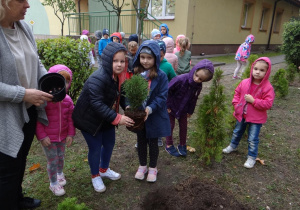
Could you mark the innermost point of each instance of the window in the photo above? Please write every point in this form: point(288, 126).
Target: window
point(162, 9)
point(247, 15)
point(277, 21)
point(265, 17)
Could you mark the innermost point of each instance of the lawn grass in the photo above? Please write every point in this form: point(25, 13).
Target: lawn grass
point(274, 185)
point(230, 58)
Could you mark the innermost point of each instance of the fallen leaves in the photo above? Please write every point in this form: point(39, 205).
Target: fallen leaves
point(34, 167)
point(190, 149)
point(260, 161)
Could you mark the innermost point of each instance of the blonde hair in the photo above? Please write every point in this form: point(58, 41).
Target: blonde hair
point(2, 9)
point(132, 44)
point(184, 44)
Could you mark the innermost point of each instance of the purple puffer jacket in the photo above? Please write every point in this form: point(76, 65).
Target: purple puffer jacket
point(59, 115)
point(183, 91)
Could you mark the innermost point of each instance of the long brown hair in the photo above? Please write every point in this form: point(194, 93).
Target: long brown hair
point(184, 44)
point(153, 71)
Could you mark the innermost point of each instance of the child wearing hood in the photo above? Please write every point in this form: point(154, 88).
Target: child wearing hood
point(251, 100)
point(124, 42)
point(155, 34)
point(164, 31)
point(58, 133)
point(157, 121)
point(90, 56)
point(182, 98)
point(98, 35)
point(116, 37)
point(241, 56)
point(103, 41)
point(171, 58)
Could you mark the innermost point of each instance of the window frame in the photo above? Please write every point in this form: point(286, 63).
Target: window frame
point(265, 17)
point(163, 17)
point(277, 22)
point(247, 14)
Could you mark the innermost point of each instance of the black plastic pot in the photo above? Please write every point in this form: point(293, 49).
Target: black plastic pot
point(54, 84)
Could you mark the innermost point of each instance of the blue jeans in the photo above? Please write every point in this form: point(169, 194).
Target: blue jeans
point(253, 140)
point(100, 149)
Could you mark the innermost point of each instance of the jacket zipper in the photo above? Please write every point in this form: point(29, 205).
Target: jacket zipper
point(59, 122)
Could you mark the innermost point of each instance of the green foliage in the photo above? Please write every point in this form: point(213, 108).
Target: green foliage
point(280, 83)
point(291, 41)
point(62, 6)
point(291, 72)
point(251, 59)
point(71, 204)
point(211, 122)
point(67, 51)
point(136, 91)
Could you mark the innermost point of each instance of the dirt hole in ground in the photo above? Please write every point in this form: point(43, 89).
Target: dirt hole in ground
point(191, 194)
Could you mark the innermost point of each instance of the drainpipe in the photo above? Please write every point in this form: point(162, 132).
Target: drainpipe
point(137, 19)
point(273, 16)
point(79, 16)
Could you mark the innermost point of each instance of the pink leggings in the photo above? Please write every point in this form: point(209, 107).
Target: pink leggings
point(182, 129)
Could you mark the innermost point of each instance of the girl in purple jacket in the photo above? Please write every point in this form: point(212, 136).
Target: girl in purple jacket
point(251, 100)
point(182, 98)
point(57, 134)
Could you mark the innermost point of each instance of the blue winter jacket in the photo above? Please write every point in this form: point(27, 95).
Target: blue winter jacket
point(158, 122)
point(102, 44)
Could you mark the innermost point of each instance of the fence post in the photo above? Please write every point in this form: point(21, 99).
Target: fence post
point(109, 22)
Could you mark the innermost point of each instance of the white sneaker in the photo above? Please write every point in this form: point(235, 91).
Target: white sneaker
point(249, 163)
point(110, 174)
point(229, 149)
point(61, 180)
point(98, 184)
point(57, 190)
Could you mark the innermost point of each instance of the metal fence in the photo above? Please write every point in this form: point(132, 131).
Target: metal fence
point(93, 21)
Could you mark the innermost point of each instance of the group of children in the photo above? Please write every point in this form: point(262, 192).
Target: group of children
point(170, 96)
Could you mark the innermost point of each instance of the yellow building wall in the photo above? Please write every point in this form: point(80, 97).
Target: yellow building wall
point(219, 21)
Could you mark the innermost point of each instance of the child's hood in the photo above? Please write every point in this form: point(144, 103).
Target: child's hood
point(59, 67)
point(84, 37)
point(108, 54)
point(169, 44)
point(85, 32)
point(116, 34)
point(166, 26)
point(250, 39)
point(154, 47)
point(268, 73)
point(133, 37)
point(203, 64)
point(154, 32)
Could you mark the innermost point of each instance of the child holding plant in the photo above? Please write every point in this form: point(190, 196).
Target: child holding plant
point(96, 113)
point(182, 98)
point(57, 134)
point(252, 98)
point(157, 122)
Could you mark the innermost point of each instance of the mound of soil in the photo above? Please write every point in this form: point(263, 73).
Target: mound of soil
point(191, 194)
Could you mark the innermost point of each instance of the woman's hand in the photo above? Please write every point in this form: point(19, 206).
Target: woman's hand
point(126, 121)
point(69, 140)
point(36, 97)
point(249, 98)
point(46, 142)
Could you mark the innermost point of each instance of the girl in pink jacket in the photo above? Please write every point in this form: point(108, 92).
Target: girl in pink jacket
point(58, 133)
point(171, 58)
point(252, 98)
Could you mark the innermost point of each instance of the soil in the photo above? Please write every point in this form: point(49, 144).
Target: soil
point(191, 194)
point(138, 118)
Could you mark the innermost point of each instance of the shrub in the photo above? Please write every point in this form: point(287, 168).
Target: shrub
point(291, 41)
point(211, 123)
point(136, 91)
point(291, 72)
point(66, 51)
point(280, 83)
point(71, 204)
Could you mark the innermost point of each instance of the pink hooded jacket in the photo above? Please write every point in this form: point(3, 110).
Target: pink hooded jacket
point(59, 115)
point(243, 52)
point(263, 94)
point(171, 58)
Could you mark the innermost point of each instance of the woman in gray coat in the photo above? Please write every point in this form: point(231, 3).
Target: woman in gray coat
point(20, 101)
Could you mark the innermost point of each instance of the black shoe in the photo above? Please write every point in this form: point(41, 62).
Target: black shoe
point(29, 203)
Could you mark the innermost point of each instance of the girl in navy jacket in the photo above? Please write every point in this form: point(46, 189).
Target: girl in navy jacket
point(157, 124)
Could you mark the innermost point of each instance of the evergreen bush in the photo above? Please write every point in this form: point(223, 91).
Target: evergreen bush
point(211, 122)
point(280, 83)
point(251, 59)
point(71, 204)
point(136, 91)
point(291, 72)
point(291, 41)
point(71, 53)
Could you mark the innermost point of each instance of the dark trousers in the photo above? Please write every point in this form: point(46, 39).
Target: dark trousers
point(143, 143)
point(12, 169)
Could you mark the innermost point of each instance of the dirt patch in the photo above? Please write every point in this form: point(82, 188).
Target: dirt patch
point(191, 194)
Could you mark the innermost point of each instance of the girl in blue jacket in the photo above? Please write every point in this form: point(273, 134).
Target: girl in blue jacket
point(157, 123)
